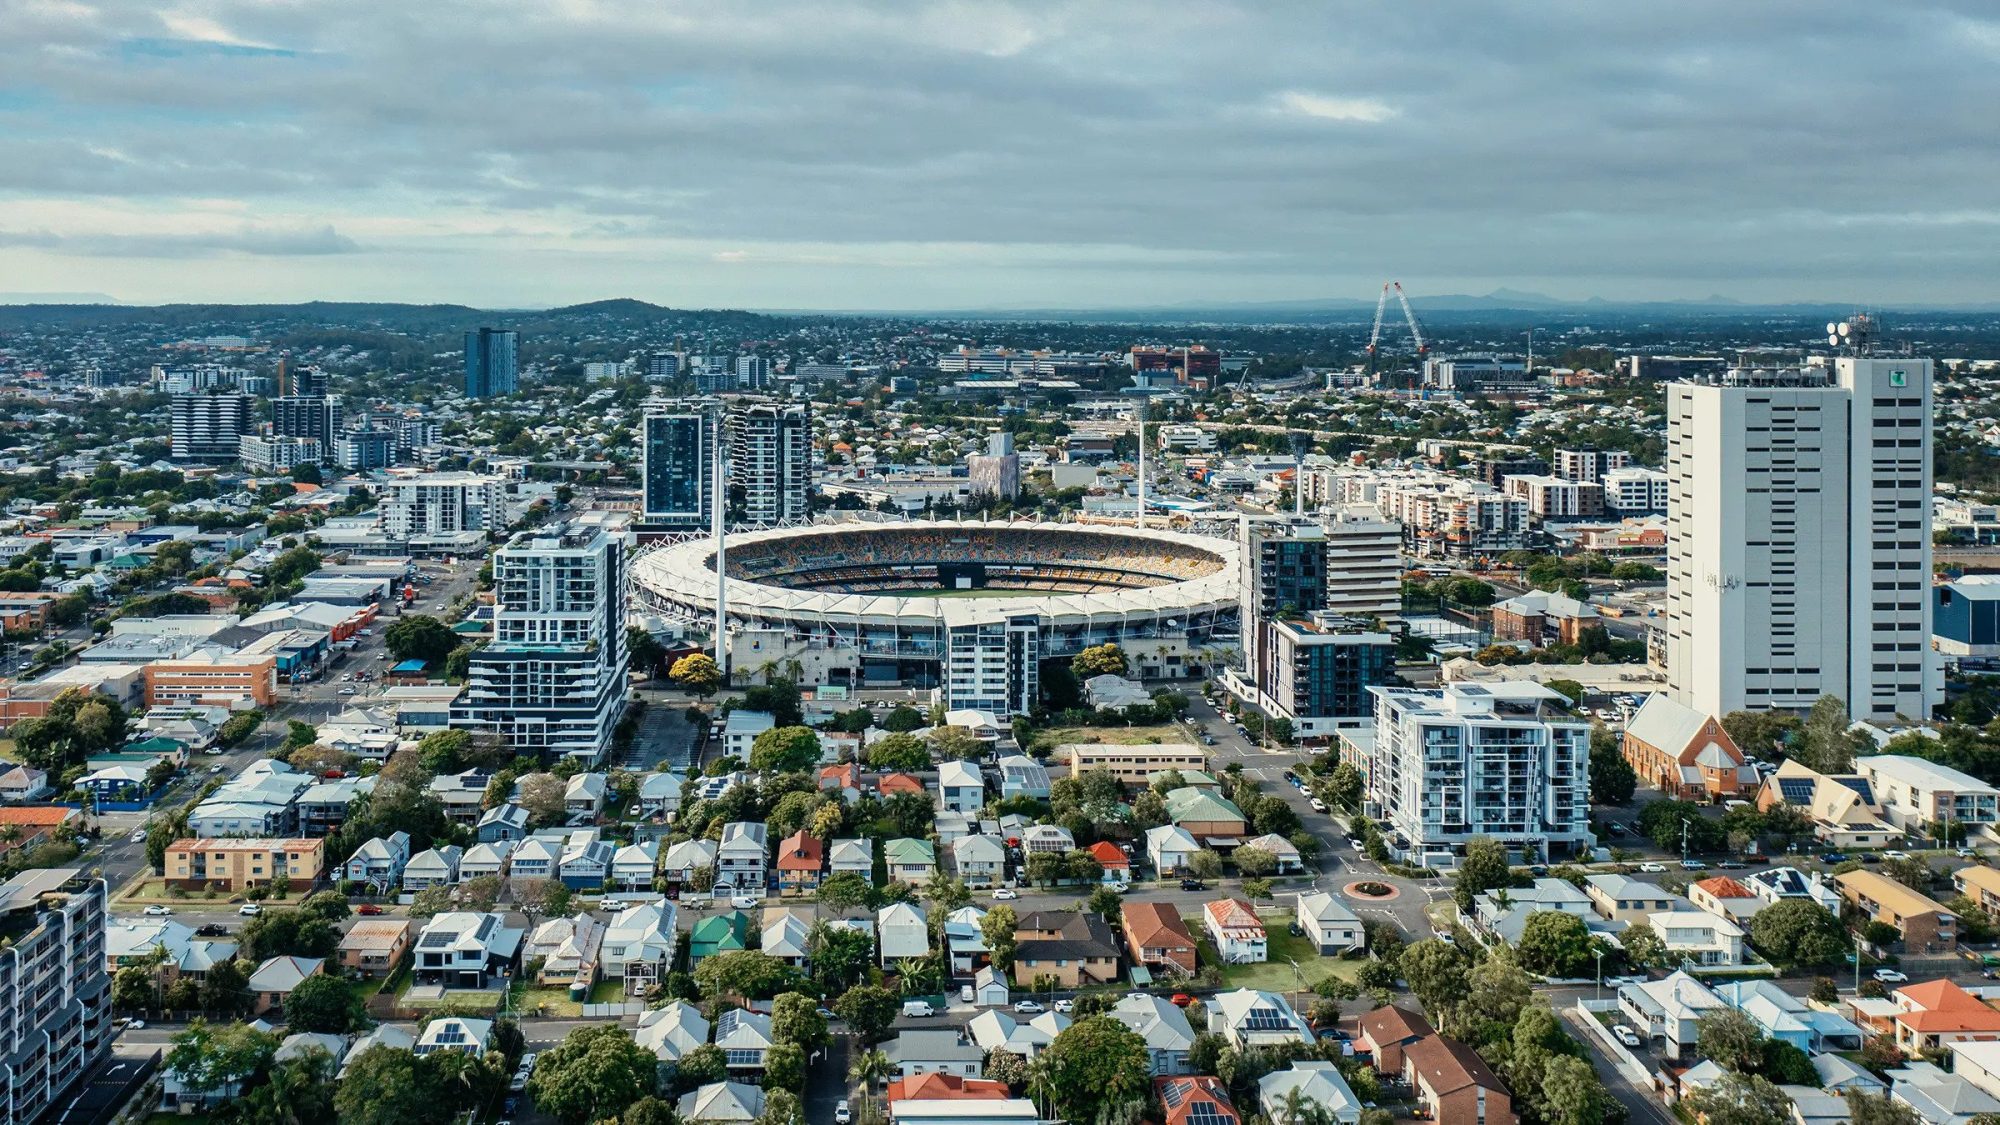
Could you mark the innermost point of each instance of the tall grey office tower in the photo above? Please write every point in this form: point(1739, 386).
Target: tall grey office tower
point(1799, 540)
point(676, 452)
point(492, 356)
point(770, 455)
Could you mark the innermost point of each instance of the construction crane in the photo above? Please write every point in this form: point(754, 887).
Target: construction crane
point(1382, 306)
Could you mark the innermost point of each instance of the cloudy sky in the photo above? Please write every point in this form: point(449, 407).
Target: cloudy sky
point(828, 154)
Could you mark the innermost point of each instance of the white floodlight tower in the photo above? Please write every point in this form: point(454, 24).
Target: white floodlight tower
point(719, 505)
point(1141, 520)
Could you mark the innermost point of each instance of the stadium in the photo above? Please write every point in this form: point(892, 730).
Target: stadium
point(972, 607)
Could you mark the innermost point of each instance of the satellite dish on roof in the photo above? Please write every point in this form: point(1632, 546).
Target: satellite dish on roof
point(1833, 339)
point(1831, 328)
point(1845, 327)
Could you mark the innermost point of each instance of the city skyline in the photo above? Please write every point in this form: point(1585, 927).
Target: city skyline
point(990, 156)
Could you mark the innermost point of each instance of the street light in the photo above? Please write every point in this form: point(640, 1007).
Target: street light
point(1600, 973)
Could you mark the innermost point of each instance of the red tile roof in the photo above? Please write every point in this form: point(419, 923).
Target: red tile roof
point(946, 1087)
point(1109, 855)
point(1722, 886)
point(899, 783)
point(800, 852)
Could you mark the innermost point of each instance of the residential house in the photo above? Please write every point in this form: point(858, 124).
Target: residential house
point(980, 860)
point(672, 1032)
point(1163, 1025)
point(583, 794)
point(1841, 807)
point(1205, 815)
point(433, 867)
point(742, 860)
point(502, 823)
point(1316, 1082)
point(1250, 1018)
point(273, 981)
point(1195, 1100)
point(633, 867)
point(745, 1037)
point(1050, 838)
point(1668, 1009)
point(913, 1052)
point(378, 863)
point(1725, 897)
point(1387, 1032)
point(721, 1103)
point(1686, 754)
point(1169, 847)
point(1786, 1018)
point(1778, 884)
point(1934, 1014)
point(1981, 885)
point(463, 795)
point(481, 860)
point(374, 947)
point(1329, 924)
point(1454, 1084)
point(1000, 1031)
point(638, 946)
point(660, 794)
point(841, 778)
point(719, 933)
point(461, 949)
point(950, 827)
point(1502, 914)
point(682, 860)
point(24, 783)
point(785, 937)
point(454, 1033)
point(1914, 793)
point(1697, 937)
point(1978, 1062)
point(890, 784)
point(1158, 938)
point(855, 856)
point(910, 861)
point(902, 931)
point(964, 941)
point(1076, 949)
point(1922, 924)
point(947, 1093)
point(1280, 849)
point(800, 860)
point(989, 988)
point(1022, 776)
point(1117, 866)
point(585, 862)
point(1621, 898)
point(567, 948)
point(961, 787)
point(1236, 930)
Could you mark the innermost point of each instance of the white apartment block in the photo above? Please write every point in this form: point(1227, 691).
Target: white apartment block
point(1589, 465)
point(1553, 498)
point(1364, 562)
point(54, 990)
point(267, 453)
point(1915, 794)
point(1453, 517)
point(443, 504)
point(1503, 760)
point(770, 452)
point(1633, 491)
point(1186, 439)
point(1798, 538)
point(553, 680)
point(991, 665)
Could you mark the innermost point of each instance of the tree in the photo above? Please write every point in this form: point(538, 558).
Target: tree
point(282, 933)
point(1496, 990)
point(646, 651)
point(955, 743)
point(901, 751)
point(208, 1058)
point(869, 1068)
point(1824, 742)
point(298, 1091)
point(545, 797)
point(1644, 947)
point(998, 928)
point(322, 1003)
point(1732, 1039)
point(1008, 1067)
point(1093, 1062)
point(650, 1110)
point(1572, 1093)
point(330, 905)
point(868, 1009)
point(902, 719)
point(1435, 971)
point(1759, 732)
point(594, 1073)
point(745, 973)
point(784, 1067)
point(1799, 932)
point(226, 988)
point(795, 1019)
point(785, 750)
point(1254, 861)
point(1666, 822)
point(1343, 789)
point(1612, 779)
point(1205, 864)
point(419, 636)
point(1740, 1099)
point(443, 751)
point(1824, 991)
point(1099, 660)
point(1483, 869)
point(1255, 889)
point(839, 955)
point(1106, 903)
point(1787, 1065)
point(697, 672)
point(299, 734)
point(848, 890)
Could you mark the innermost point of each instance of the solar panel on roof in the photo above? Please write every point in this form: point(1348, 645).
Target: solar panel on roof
point(1209, 1114)
point(433, 941)
point(1176, 1093)
point(1796, 790)
point(1266, 1019)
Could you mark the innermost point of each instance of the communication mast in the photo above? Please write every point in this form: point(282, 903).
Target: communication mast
point(1375, 333)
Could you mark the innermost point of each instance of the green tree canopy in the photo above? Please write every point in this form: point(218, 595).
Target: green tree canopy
point(1093, 1062)
point(594, 1073)
point(419, 636)
point(785, 750)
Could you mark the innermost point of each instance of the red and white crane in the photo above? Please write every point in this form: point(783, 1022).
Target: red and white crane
point(1381, 306)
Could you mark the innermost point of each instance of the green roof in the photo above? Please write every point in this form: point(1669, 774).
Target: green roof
point(1200, 804)
point(158, 744)
point(905, 852)
point(719, 933)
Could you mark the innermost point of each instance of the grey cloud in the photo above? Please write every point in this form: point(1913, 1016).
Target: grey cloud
point(250, 241)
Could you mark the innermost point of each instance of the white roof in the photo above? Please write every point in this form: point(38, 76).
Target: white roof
point(1921, 774)
point(672, 1031)
point(1317, 1081)
point(954, 774)
point(1323, 907)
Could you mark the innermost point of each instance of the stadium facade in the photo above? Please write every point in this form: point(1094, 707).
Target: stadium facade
point(975, 608)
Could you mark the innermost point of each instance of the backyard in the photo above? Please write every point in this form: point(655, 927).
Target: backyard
point(1276, 973)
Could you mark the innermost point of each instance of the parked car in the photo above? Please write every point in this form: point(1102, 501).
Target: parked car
point(1968, 853)
point(249, 910)
point(136, 1025)
point(1615, 828)
point(1625, 1035)
point(1693, 865)
point(916, 1008)
point(1444, 935)
point(1005, 893)
point(1891, 976)
point(1192, 885)
point(1652, 868)
point(159, 911)
point(1065, 1005)
point(1318, 805)
point(744, 902)
point(211, 929)
point(1895, 855)
point(841, 1114)
point(368, 909)
point(1028, 1007)
point(1180, 999)
point(1834, 857)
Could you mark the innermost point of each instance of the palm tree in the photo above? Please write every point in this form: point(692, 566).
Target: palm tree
point(1296, 1110)
point(869, 1068)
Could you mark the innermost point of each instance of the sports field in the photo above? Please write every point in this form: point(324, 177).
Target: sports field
point(975, 592)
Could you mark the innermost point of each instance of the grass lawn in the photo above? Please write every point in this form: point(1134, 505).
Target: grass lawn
point(608, 992)
point(467, 998)
point(7, 751)
point(556, 1001)
point(1276, 974)
point(1115, 736)
point(146, 889)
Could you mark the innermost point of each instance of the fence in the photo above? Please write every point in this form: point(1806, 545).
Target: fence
point(614, 1011)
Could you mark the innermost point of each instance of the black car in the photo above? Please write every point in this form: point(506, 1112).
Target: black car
point(1192, 885)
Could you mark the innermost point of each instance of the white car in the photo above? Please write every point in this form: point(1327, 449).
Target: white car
point(1891, 976)
point(136, 1025)
point(743, 902)
point(159, 911)
point(1005, 893)
point(345, 691)
point(1444, 936)
point(841, 1114)
point(1626, 1035)
point(1028, 1007)
point(139, 837)
point(1318, 805)
point(1895, 855)
point(1065, 1005)
point(1652, 868)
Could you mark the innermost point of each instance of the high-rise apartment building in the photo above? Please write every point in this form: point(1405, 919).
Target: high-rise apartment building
point(1364, 562)
point(269, 453)
point(1321, 666)
point(1506, 760)
point(208, 426)
point(492, 358)
point(54, 990)
point(678, 451)
point(553, 679)
point(1633, 491)
point(770, 461)
point(996, 473)
point(1283, 573)
point(663, 366)
point(306, 416)
point(443, 504)
point(1798, 538)
point(360, 450)
point(1588, 466)
point(753, 372)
